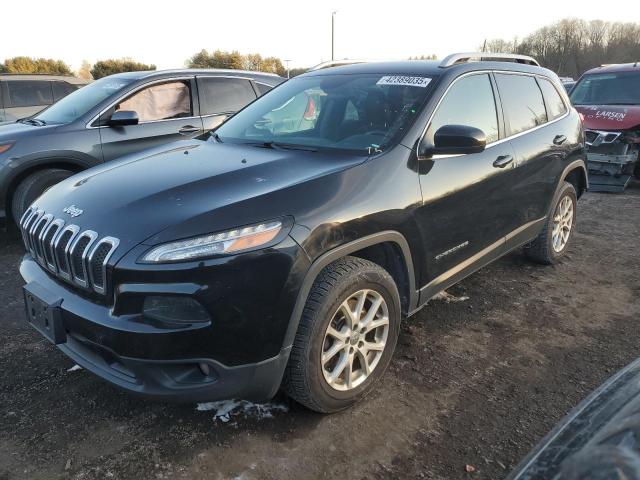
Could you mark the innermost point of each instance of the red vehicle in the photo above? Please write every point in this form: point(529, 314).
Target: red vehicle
point(608, 98)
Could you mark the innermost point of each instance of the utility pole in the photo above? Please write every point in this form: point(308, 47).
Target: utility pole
point(287, 62)
point(333, 32)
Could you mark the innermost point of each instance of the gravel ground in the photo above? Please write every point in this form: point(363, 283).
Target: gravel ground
point(473, 386)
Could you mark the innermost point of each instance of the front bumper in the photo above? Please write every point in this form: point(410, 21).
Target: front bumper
point(166, 361)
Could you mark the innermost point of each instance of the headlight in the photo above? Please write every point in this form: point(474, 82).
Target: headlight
point(232, 241)
point(5, 146)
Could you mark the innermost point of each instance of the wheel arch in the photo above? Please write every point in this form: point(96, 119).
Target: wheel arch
point(576, 174)
point(390, 245)
point(33, 165)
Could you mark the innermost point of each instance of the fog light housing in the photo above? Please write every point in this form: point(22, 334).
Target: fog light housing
point(174, 309)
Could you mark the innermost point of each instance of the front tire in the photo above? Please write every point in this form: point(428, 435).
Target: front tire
point(32, 187)
point(346, 336)
point(553, 241)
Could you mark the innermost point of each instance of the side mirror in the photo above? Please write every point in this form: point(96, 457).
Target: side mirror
point(456, 140)
point(122, 118)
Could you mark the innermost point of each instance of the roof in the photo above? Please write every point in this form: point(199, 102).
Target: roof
point(270, 78)
point(617, 67)
point(42, 76)
point(431, 68)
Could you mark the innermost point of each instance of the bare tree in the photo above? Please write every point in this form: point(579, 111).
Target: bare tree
point(571, 46)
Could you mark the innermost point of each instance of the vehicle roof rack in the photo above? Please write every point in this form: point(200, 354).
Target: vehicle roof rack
point(457, 58)
point(336, 63)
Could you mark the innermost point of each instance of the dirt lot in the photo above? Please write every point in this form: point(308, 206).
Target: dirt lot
point(474, 382)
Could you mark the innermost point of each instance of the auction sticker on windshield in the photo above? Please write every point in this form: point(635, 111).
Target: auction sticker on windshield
point(404, 81)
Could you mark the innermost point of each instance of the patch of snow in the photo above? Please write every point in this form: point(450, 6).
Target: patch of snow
point(225, 409)
point(74, 368)
point(447, 297)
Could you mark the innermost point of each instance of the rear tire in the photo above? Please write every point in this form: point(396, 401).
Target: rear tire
point(32, 187)
point(313, 376)
point(553, 241)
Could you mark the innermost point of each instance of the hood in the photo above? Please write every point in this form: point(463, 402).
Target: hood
point(15, 130)
point(188, 188)
point(612, 117)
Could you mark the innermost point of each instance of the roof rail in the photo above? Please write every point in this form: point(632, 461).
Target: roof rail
point(456, 58)
point(336, 63)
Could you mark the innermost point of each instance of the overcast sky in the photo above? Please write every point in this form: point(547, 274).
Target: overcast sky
point(166, 33)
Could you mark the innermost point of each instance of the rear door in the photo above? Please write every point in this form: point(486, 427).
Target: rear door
point(26, 98)
point(166, 113)
point(465, 213)
point(532, 181)
point(221, 97)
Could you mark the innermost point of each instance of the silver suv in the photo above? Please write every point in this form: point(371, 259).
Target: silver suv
point(24, 95)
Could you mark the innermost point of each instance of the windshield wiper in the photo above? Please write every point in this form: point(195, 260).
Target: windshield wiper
point(216, 137)
point(286, 146)
point(33, 121)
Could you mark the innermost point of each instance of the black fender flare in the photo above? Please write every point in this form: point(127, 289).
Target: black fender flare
point(576, 164)
point(341, 251)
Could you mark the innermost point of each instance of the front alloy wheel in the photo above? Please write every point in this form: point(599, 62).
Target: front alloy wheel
point(355, 340)
point(346, 336)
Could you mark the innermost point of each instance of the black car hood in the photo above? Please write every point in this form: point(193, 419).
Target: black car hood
point(186, 188)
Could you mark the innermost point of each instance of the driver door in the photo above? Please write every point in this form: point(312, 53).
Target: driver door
point(165, 112)
point(466, 211)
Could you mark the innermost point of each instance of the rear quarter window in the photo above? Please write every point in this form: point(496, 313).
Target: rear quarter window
point(29, 93)
point(552, 99)
point(522, 102)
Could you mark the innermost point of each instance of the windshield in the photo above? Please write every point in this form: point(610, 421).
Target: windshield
point(76, 104)
point(359, 113)
point(621, 88)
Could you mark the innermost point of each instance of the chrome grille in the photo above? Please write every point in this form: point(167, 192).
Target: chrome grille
point(78, 257)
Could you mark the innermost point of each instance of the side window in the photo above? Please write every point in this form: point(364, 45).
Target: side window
point(552, 99)
point(162, 101)
point(62, 89)
point(29, 93)
point(470, 102)
point(522, 102)
point(224, 95)
point(262, 88)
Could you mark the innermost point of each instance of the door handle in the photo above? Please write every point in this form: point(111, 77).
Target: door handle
point(559, 139)
point(188, 129)
point(502, 161)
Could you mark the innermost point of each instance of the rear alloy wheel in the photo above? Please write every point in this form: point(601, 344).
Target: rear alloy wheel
point(552, 242)
point(562, 223)
point(346, 336)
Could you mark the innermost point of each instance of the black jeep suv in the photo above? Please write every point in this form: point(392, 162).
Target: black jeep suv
point(285, 249)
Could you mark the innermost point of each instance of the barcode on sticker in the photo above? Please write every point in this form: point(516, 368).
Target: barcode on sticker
point(405, 81)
